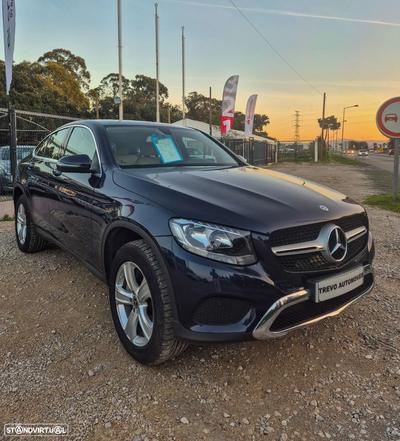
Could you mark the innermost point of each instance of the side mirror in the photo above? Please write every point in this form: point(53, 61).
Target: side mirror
point(241, 158)
point(74, 164)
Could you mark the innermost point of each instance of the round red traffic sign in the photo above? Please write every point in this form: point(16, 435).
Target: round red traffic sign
point(388, 118)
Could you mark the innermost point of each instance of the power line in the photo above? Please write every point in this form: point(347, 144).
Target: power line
point(275, 50)
point(281, 119)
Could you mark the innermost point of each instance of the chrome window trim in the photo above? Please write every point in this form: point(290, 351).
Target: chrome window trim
point(263, 332)
point(95, 144)
point(72, 127)
point(315, 245)
point(34, 155)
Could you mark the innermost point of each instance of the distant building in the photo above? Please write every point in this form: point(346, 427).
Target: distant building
point(216, 131)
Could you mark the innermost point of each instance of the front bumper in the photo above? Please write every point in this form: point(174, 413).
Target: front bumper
point(215, 302)
point(264, 329)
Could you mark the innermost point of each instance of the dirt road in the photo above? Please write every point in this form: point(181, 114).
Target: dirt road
point(61, 361)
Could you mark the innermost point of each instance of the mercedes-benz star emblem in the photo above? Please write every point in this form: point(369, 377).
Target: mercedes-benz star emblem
point(336, 247)
point(322, 207)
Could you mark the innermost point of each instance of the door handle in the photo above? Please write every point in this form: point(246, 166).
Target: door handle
point(31, 165)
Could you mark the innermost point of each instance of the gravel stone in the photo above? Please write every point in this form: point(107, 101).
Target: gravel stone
point(319, 372)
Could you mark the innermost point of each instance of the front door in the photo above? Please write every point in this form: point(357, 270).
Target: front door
point(71, 209)
point(39, 185)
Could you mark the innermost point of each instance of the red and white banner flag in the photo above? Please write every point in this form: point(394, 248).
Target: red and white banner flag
point(9, 37)
point(228, 103)
point(249, 121)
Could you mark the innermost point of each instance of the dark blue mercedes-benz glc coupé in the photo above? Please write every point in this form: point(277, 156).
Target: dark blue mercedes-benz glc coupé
point(194, 244)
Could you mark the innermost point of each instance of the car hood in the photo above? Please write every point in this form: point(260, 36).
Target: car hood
point(249, 197)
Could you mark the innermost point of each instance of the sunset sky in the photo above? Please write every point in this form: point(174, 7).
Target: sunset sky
point(346, 48)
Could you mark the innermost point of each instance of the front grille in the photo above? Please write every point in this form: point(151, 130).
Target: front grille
point(221, 311)
point(305, 233)
point(308, 310)
point(315, 261)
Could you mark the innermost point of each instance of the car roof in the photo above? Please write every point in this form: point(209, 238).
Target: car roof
point(123, 123)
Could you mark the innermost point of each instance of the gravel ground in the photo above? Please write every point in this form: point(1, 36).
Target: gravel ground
point(61, 361)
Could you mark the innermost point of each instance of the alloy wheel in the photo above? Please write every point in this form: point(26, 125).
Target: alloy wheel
point(21, 224)
point(134, 304)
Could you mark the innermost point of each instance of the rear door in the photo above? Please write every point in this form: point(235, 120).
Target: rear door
point(71, 209)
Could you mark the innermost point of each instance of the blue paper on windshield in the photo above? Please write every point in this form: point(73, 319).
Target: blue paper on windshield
point(166, 148)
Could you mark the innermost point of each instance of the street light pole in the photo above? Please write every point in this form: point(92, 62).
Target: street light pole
point(121, 105)
point(344, 113)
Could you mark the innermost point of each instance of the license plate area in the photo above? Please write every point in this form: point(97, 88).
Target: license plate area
point(337, 285)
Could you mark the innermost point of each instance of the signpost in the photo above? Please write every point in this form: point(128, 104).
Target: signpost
point(388, 122)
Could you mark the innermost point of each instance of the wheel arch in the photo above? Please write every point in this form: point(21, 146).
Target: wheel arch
point(121, 232)
point(17, 193)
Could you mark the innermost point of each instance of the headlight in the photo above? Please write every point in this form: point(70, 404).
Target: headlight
point(214, 241)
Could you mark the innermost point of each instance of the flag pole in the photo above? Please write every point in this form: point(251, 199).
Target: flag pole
point(183, 76)
point(157, 72)
point(210, 113)
point(121, 105)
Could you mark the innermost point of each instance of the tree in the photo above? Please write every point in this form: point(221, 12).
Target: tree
point(198, 108)
point(56, 77)
point(33, 90)
point(73, 64)
point(260, 121)
point(330, 123)
point(109, 86)
point(93, 96)
point(147, 86)
point(139, 97)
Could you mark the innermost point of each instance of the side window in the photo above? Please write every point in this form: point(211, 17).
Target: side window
point(41, 148)
point(81, 142)
point(53, 147)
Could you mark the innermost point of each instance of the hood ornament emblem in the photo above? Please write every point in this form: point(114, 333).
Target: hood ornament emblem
point(335, 241)
point(323, 208)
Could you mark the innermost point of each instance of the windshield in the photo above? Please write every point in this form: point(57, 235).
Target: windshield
point(146, 146)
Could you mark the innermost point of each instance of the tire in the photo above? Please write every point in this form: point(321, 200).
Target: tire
point(28, 239)
point(148, 303)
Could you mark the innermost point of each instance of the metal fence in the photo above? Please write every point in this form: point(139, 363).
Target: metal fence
point(254, 152)
point(295, 155)
point(20, 132)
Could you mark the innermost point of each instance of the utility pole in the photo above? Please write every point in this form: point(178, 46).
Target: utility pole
point(210, 113)
point(157, 72)
point(183, 76)
point(322, 129)
point(121, 104)
point(169, 113)
point(296, 128)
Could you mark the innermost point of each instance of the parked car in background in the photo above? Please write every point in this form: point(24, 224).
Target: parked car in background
point(5, 181)
point(193, 249)
point(363, 152)
point(22, 152)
